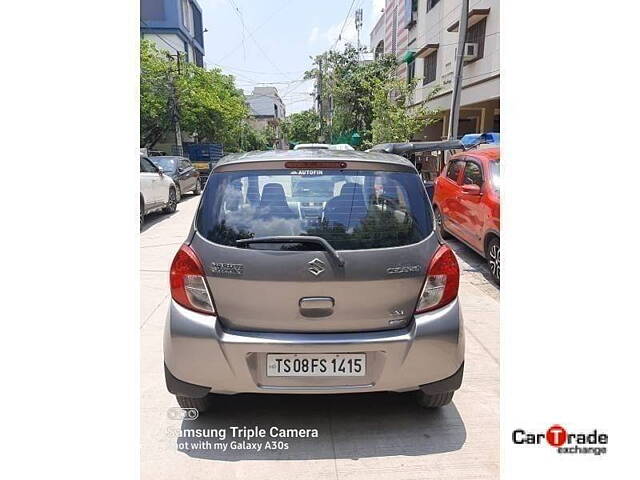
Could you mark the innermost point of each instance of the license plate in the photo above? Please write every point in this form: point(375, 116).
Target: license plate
point(316, 365)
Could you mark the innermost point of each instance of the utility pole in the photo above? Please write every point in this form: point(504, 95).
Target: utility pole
point(454, 113)
point(358, 27)
point(330, 119)
point(320, 109)
point(175, 112)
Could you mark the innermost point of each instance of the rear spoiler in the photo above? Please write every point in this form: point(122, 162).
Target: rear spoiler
point(412, 147)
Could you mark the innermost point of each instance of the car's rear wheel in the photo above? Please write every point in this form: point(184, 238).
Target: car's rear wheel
point(433, 401)
point(439, 225)
point(200, 404)
point(493, 258)
point(172, 203)
point(141, 213)
point(198, 189)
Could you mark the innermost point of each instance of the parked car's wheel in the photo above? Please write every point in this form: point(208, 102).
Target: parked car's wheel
point(172, 203)
point(439, 226)
point(493, 258)
point(433, 401)
point(200, 404)
point(141, 213)
point(178, 193)
point(198, 189)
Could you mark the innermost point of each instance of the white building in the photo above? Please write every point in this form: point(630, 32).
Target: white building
point(425, 38)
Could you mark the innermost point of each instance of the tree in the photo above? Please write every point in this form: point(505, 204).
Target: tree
point(208, 101)
point(155, 117)
point(210, 104)
point(302, 127)
point(396, 121)
point(252, 138)
point(350, 86)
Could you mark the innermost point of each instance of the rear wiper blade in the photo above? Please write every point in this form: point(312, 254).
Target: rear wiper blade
point(296, 239)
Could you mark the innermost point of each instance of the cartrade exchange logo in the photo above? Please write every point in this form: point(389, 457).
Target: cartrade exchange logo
point(556, 436)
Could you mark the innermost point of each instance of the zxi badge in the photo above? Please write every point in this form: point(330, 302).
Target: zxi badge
point(316, 267)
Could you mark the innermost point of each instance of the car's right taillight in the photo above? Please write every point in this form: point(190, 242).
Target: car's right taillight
point(188, 282)
point(442, 282)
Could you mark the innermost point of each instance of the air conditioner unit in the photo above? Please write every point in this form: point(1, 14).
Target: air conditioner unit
point(470, 51)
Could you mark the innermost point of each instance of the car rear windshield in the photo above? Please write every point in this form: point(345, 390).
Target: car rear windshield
point(168, 164)
point(352, 210)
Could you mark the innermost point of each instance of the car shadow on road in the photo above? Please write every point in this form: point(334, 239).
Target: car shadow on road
point(349, 426)
point(472, 258)
point(154, 218)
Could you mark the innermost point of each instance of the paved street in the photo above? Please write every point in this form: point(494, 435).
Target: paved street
point(374, 436)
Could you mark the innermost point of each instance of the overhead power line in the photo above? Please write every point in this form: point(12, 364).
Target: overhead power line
point(255, 42)
point(343, 25)
point(255, 30)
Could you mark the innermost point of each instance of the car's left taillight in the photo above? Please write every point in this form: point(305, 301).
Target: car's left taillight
point(442, 282)
point(188, 282)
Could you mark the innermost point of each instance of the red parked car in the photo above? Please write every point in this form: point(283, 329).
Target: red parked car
point(466, 203)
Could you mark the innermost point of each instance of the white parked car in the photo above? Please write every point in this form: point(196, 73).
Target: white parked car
point(157, 190)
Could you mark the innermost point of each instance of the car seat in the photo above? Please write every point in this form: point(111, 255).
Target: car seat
point(273, 202)
point(348, 208)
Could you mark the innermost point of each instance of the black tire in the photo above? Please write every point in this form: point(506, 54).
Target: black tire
point(433, 401)
point(493, 258)
point(438, 217)
point(172, 203)
point(178, 193)
point(141, 213)
point(200, 404)
point(198, 189)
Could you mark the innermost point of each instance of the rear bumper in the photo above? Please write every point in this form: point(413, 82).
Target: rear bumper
point(201, 356)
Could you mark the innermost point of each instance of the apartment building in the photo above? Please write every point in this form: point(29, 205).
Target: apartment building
point(174, 26)
point(424, 36)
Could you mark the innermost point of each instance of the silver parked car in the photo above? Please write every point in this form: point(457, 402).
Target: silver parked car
point(310, 272)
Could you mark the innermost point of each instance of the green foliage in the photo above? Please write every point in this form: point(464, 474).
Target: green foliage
point(155, 117)
point(350, 86)
point(302, 127)
point(210, 105)
point(395, 120)
point(369, 98)
point(270, 135)
point(207, 100)
point(255, 139)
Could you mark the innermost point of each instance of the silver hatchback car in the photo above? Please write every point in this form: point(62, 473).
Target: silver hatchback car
point(314, 272)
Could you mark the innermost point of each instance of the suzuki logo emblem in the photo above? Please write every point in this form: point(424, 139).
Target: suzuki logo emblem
point(316, 266)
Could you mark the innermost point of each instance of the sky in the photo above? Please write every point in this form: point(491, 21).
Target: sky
point(269, 42)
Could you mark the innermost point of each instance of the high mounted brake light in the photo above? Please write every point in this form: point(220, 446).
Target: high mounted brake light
point(442, 282)
point(188, 282)
point(316, 165)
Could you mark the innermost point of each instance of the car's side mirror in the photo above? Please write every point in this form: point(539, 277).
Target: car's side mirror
point(161, 170)
point(471, 189)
